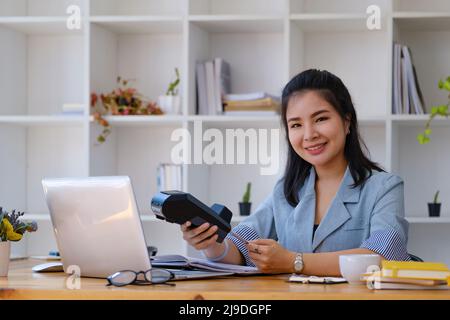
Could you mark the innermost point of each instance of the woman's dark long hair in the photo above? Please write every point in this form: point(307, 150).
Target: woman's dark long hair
point(331, 89)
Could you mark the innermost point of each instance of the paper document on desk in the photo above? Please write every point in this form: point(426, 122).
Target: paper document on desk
point(178, 261)
point(315, 279)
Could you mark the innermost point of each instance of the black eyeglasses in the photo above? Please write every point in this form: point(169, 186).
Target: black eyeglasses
point(152, 276)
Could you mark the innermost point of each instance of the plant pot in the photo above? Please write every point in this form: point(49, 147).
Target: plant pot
point(170, 104)
point(244, 208)
point(434, 209)
point(5, 251)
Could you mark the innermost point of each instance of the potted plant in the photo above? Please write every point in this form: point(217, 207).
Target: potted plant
point(11, 229)
point(122, 101)
point(434, 208)
point(245, 205)
point(170, 103)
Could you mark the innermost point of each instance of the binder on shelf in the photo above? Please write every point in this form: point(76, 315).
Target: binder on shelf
point(407, 96)
point(202, 98)
point(222, 77)
point(211, 97)
point(169, 177)
point(413, 84)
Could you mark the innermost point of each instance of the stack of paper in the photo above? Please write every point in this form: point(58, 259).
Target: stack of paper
point(410, 275)
point(255, 103)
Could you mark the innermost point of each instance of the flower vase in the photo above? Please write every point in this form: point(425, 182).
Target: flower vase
point(5, 250)
point(170, 104)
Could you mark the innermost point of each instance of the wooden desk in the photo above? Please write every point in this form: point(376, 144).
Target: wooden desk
point(22, 283)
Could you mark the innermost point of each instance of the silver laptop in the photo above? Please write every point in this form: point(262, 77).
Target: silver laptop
point(97, 226)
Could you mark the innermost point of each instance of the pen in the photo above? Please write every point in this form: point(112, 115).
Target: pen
point(238, 237)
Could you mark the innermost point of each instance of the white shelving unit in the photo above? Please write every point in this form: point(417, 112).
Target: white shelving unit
point(266, 42)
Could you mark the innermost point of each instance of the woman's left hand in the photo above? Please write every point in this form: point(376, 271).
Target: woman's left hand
point(270, 257)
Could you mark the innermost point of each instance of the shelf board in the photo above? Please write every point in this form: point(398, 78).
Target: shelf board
point(418, 120)
point(428, 219)
point(422, 21)
point(150, 120)
point(236, 119)
point(238, 218)
point(372, 120)
point(273, 119)
point(330, 22)
point(238, 23)
point(56, 120)
point(139, 24)
point(39, 25)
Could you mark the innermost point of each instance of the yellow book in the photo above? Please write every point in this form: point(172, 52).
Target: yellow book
point(415, 270)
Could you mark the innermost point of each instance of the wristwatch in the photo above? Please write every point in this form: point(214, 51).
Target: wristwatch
point(298, 263)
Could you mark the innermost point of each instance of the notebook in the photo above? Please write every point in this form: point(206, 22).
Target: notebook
point(376, 277)
point(403, 286)
point(179, 261)
point(415, 270)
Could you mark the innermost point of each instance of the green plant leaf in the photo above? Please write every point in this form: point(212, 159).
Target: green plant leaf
point(441, 84)
point(101, 139)
point(434, 110)
point(423, 139)
point(427, 132)
point(443, 110)
point(447, 85)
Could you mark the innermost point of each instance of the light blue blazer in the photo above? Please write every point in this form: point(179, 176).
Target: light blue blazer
point(369, 216)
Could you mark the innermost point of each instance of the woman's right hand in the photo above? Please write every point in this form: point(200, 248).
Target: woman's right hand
point(201, 238)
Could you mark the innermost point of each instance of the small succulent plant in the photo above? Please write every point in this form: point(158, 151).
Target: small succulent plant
point(435, 200)
point(246, 197)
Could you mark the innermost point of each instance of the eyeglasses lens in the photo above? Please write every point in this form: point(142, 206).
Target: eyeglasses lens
point(122, 278)
point(158, 275)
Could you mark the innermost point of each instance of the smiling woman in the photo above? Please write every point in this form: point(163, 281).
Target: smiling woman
point(333, 200)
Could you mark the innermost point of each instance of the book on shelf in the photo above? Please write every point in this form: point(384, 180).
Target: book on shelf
point(213, 78)
point(407, 96)
point(396, 80)
point(413, 83)
point(222, 81)
point(202, 99)
point(169, 177)
point(415, 270)
point(210, 87)
point(258, 103)
point(179, 261)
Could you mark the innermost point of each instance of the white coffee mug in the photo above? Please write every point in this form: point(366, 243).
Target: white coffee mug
point(353, 266)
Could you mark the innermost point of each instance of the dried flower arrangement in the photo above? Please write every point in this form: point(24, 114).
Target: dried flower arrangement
point(121, 101)
point(11, 226)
